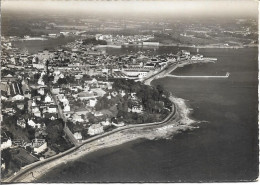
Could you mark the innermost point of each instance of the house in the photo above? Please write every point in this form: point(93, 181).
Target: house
point(38, 98)
point(114, 93)
point(52, 109)
point(133, 96)
point(77, 118)
point(92, 102)
point(98, 114)
point(100, 92)
point(4, 98)
point(36, 111)
point(136, 108)
point(63, 99)
point(109, 96)
point(66, 108)
point(55, 90)
point(18, 97)
point(18, 142)
point(33, 124)
point(20, 106)
point(106, 123)
point(2, 164)
point(41, 91)
point(5, 143)
point(149, 66)
point(9, 110)
point(21, 123)
point(87, 95)
point(78, 136)
point(122, 93)
point(39, 145)
point(95, 129)
point(120, 124)
point(48, 99)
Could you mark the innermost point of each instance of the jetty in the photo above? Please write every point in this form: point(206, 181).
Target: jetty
point(176, 76)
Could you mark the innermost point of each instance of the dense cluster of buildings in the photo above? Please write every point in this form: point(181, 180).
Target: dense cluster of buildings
point(124, 40)
point(67, 83)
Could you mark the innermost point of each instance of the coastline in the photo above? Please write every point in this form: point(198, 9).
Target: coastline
point(207, 46)
point(149, 131)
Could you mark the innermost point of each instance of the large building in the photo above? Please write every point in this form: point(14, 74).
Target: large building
point(151, 43)
point(135, 73)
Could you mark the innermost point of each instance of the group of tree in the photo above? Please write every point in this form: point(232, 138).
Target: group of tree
point(154, 100)
point(66, 80)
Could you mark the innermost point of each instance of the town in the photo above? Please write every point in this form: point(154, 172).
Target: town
point(55, 99)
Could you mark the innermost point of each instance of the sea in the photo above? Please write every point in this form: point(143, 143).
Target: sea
point(223, 147)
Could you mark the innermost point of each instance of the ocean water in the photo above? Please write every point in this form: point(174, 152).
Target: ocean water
point(34, 46)
point(223, 148)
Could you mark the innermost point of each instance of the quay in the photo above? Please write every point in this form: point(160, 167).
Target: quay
point(176, 76)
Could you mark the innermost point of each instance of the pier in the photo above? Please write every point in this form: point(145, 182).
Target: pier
point(176, 76)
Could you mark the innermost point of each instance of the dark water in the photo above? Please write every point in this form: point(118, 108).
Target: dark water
point(223, 149)
point(34, 46)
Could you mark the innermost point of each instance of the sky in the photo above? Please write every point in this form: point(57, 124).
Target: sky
point(174, 7)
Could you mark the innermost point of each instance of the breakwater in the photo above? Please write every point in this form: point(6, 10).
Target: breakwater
point(177, 76)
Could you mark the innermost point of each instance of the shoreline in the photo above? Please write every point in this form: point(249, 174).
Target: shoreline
point(164, 72)
point(148, 131)
point(207, 46)
point(165, 131)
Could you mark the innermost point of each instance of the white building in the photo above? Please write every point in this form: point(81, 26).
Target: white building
point(48, 99)
point(33, 124)
point(106, 123)
point(136, 108)
point(66, 108)
point(36, 111)
point(77, 118)
point(52, 109)
point(131, 73)
point(95, 129)
point(18, 97)
point(39, 145)
point(151, 43)
point(78, 136)
point(39, 66)
point(21, 123)
point(6, 144)
point(92, 102)
point(41, 91)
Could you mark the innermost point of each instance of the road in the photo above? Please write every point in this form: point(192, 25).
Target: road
point(66, 128)
point(29, 169)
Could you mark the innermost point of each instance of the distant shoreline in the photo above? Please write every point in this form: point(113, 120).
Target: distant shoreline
point(209, 46)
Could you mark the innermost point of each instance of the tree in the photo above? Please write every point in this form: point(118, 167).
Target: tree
point(54, 130)
point(7, 157)
point(36, 76)
point(45, 79)
point(62, 81)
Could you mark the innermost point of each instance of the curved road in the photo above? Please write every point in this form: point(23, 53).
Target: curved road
point(30, 168)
